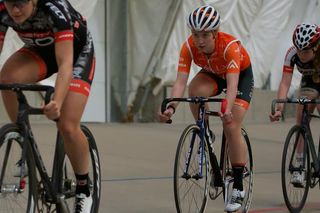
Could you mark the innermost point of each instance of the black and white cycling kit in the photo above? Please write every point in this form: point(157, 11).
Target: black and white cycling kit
point(54, 21)
point(310, 75)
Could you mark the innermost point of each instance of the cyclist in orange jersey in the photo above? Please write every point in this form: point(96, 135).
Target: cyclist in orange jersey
point(225, 64)
point(305, 55)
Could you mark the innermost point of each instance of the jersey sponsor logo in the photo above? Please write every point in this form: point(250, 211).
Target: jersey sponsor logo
point(56, 10)
point(232, 65)
point(38, 41)
point(182, 65)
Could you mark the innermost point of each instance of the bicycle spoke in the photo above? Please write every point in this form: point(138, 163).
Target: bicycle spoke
point(295, 187)
point(15, 195)
point(190, 192)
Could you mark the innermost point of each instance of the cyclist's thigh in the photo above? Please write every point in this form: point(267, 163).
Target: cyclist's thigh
point(245, 88)
point(24, 66)
point(206, 84)
point(80, 85)
point(311, 90)
point(73, 108)
point(242, 102)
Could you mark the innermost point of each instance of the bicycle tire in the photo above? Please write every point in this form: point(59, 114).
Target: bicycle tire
point(199, 196)
point(11, 198)
point(67, 183)
point(227, 173)
point(288, 189)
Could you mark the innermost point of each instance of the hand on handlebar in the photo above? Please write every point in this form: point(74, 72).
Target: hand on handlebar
point(52, 110)
point(276, 116)
point(166, 115)
point(226, 117)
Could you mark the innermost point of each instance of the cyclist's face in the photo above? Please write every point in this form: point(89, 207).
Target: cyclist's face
point(204, 40)
point(306, 55)
point(19, 10)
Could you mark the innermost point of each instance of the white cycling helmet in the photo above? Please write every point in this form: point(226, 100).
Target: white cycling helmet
point(204, 18)
point(306, 36)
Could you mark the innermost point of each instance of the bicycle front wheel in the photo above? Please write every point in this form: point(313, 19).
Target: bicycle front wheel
point(295, 191)
point(227, 172)
point(191, 172)
point(16, 186)
point(68, 180)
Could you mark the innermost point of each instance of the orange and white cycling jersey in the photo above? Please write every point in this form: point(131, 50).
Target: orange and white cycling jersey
point(229, 56)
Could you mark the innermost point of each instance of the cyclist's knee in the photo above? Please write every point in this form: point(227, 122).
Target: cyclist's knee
point(67, 128)
point(232, 128)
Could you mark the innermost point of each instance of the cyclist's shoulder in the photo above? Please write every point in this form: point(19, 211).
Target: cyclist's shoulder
point(291, 53)
point(224, 39)
point(56, 8)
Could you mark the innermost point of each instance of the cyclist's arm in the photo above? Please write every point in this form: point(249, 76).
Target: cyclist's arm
point(64, 57)
point(283, 89)
point(232, 74)
point(232, 88)
point(185, 61)
point(179, 87)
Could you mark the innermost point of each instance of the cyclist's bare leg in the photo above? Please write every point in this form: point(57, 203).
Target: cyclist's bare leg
point(237, 147)
point(201, 85)
point(19, 68)
point(75, 142)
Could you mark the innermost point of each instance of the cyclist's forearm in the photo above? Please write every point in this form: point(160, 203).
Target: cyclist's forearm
point(177, 92)
point(179, 87)
point(62, 84)
point(232, 89)
point(283, 89)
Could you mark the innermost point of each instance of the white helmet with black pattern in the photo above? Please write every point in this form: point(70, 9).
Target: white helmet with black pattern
point(204, 18)
point(306, 36)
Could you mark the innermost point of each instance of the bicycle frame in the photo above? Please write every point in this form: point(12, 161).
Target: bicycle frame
point(203, 131)
point(23, 124)
point(306, 131)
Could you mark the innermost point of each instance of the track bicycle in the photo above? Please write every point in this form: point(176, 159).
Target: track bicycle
point(299, 143)
point(197, 171)
point(25, 185)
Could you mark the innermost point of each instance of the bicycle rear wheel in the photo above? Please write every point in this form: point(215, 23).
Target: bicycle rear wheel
point(68, 180)
point(295, 196)
point(190, 189)
point(227, 173)
point(16, 186)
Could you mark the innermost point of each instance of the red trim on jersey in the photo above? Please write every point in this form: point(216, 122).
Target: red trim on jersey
point(34, 35)
point(287, 69)
point(42, 65)
point(92, 68)
point(289, 50)
point(242, 103)
point(2, 35)
point(2, 6)
point(80, 86)
point(63, 36)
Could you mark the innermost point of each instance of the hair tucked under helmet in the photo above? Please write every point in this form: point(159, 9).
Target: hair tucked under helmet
point(204, 18)
point(306, 36)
